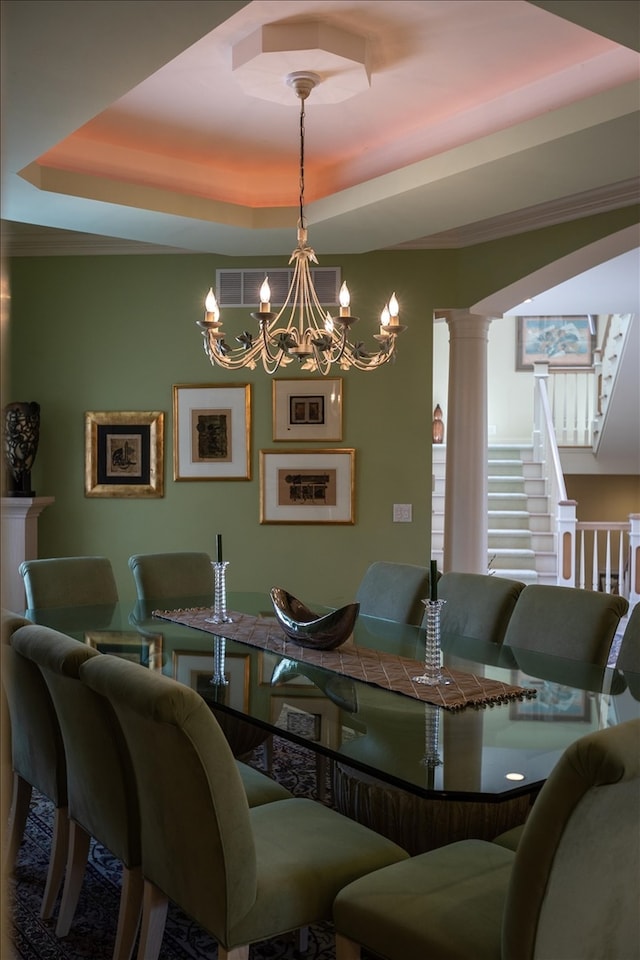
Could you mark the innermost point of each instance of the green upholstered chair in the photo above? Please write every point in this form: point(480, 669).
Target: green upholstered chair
point(244, 874)
point(102, 798)
point(570, 890)
point(393, 591)
point(477, 605)
point(69, 582)
point(160, 576)
point(566, 622)
point(37, 759)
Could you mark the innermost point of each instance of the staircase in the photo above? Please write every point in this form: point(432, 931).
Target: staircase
point(521, 542)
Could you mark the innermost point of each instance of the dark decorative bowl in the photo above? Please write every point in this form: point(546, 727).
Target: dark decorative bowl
point(307, 628)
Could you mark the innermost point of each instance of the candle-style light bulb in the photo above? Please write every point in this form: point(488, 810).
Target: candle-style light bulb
point(265, 296)
point(394, 306)
point(385, 316)
point(328, 323)
point(212, 314)
point(345, 299)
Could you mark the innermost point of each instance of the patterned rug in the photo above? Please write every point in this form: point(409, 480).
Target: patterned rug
point(93, 930)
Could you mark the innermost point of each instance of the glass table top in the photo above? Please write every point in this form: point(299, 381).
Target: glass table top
point(487, 754)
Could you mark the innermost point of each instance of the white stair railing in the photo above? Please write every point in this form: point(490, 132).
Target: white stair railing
point(609, 557)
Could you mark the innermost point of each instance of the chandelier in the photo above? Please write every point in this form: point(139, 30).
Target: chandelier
point(301, 330)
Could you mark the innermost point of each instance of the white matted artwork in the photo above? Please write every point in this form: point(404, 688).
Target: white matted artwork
point(307, 409)
point(212, 432)
point(307, 486)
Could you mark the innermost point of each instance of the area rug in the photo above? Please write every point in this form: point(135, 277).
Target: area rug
point(93, 930)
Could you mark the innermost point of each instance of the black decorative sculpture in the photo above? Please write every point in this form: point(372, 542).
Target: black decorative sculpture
point(21, 436)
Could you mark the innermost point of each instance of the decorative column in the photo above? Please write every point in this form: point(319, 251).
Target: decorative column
point(19, 542)
point(466, 485)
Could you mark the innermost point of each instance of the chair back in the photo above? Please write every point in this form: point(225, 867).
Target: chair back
point(69, 582)
point(37, 748)
point(193, 807)
point(566, 622)
point(101, 787)
point(575, 884)
point(393, 591)
point(478, 606)
point(160, 576)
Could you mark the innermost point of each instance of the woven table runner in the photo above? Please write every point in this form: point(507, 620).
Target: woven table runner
point(360, 663)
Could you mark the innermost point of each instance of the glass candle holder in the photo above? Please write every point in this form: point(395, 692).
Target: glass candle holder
point(220, 593)
point(432, 653)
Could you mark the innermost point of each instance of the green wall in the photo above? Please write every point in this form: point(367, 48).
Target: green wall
point(114, 333)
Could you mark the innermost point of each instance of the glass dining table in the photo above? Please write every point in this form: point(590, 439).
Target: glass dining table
point(417, 771)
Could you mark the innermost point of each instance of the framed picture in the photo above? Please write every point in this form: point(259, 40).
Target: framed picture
point(553, 701)
point(195, 669)
point(124, 454)
point(307, 409)
point(130, 645)
point(307, 486)
point(212, 432)
point(558, 341)
point(312, 718)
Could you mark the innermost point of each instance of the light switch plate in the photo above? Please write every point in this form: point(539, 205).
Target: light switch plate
point(402, 513)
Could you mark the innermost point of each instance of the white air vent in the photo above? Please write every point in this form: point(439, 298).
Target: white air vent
point(241, 288)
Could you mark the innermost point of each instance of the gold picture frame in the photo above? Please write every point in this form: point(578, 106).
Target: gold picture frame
point(307, 486)
point(124, 454)
point(211, 431)
point(145, 649)
point(309, 409)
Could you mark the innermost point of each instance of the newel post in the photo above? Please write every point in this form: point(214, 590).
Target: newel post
point(540, 372)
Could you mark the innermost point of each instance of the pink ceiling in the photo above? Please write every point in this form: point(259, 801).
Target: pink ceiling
point(442, 74)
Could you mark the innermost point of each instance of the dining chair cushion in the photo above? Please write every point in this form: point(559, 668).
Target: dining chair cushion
point(565, 621)
point(416, 908)
point(477, 605)
point(393, 591)
point(68, 582)
point(160, 576)
point(245, 875)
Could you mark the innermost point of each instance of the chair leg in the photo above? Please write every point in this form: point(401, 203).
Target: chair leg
point(79, 841)
point(154, 915)
point(20, 802)
point(346, 949)
point(129, 913)
point(57, 860)
point(238, 953)
point(302, 940)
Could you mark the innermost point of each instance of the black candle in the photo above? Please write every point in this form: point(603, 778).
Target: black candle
point(433, 581)
point(219, 547)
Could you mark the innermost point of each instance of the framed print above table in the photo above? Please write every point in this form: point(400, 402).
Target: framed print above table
point(124, 454)
point(307, 409)
point(212, 431)
point(307, 486)
point(558, 341)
